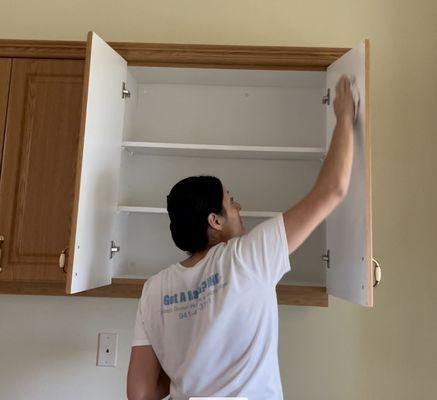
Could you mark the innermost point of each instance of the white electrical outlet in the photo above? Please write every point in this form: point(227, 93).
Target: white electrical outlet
point(107, 350)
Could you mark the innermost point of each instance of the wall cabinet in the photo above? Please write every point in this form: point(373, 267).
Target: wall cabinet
point(259, 118)
point(263, 132)
point(43, 99)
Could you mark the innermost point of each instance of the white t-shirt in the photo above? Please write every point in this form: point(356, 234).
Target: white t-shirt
point(214, 326)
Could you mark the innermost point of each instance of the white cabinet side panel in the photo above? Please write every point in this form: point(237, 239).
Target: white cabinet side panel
point(100, 168)
point(349, 226)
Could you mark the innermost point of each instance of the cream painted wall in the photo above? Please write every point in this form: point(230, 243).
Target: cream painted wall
point(48, 344)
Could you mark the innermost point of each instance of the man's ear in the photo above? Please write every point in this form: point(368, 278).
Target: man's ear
point(215, 221)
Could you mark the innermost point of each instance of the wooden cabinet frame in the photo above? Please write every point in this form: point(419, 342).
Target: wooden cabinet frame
point(186, 55)
point(178, 55)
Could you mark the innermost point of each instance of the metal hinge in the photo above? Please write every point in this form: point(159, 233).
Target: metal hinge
point(114, 249)
point(327, 99)
point(326, 257)
point(125, 93)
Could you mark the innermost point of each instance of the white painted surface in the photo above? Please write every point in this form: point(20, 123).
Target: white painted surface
point(100, 168)
point(225, 151)
point(272, 185)
point(262, 185)
point(260, 132)
point(121, 238)
point(229, 115)
point(48, 347)
point(347, 238)
point(157, 210)
point(150, 249)
point(130, 103)
point(228, 77)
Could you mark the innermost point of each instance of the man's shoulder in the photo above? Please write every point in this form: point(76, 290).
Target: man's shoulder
point(160, 275)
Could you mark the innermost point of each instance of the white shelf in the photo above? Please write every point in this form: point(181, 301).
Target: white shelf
point(157, 210)
point(225, 151)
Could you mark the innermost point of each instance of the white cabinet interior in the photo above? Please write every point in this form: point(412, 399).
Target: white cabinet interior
point(262, 132)
point(264, 113)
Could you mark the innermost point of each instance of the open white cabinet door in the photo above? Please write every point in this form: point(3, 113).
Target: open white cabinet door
point(349, 227)
point(98, 166)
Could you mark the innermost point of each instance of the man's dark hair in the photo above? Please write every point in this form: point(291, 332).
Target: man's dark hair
point(189, 203)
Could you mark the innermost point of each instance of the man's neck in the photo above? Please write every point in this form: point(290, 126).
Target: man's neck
point(194, 259)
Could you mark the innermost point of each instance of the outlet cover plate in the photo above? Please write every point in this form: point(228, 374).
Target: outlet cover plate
point(107, 350)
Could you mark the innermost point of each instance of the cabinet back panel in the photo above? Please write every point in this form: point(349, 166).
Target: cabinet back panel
point(258, 185)
point(228, 77)
point(232, 115)
point(149, 248)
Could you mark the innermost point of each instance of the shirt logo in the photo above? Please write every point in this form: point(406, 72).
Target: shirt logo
point(188, 295)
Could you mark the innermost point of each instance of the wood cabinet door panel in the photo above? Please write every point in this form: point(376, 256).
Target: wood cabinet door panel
point(40, 149)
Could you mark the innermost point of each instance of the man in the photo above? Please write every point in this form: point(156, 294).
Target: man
point(208, 326)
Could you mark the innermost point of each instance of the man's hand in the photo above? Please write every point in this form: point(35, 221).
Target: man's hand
point(344, 102)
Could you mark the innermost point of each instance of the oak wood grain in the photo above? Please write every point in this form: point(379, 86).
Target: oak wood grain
point(37, 184)
point(131, 288)
point(5, 76)
point(186, 55)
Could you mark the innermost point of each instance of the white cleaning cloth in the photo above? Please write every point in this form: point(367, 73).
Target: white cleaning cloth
point(355, 95)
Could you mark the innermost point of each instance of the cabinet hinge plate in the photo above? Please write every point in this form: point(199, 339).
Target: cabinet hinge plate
point(114, 249)
point(327, 98)
point(125, 93)
point(326, 258)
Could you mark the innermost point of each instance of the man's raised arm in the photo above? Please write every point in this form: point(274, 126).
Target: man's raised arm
point(333, 180)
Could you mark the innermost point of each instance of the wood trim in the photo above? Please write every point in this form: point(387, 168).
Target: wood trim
point(123, 290)
point(186, 55)
point(42, 49)
point(132, 288)
point(302, 295)
point(368, 172)
point(222, 56)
